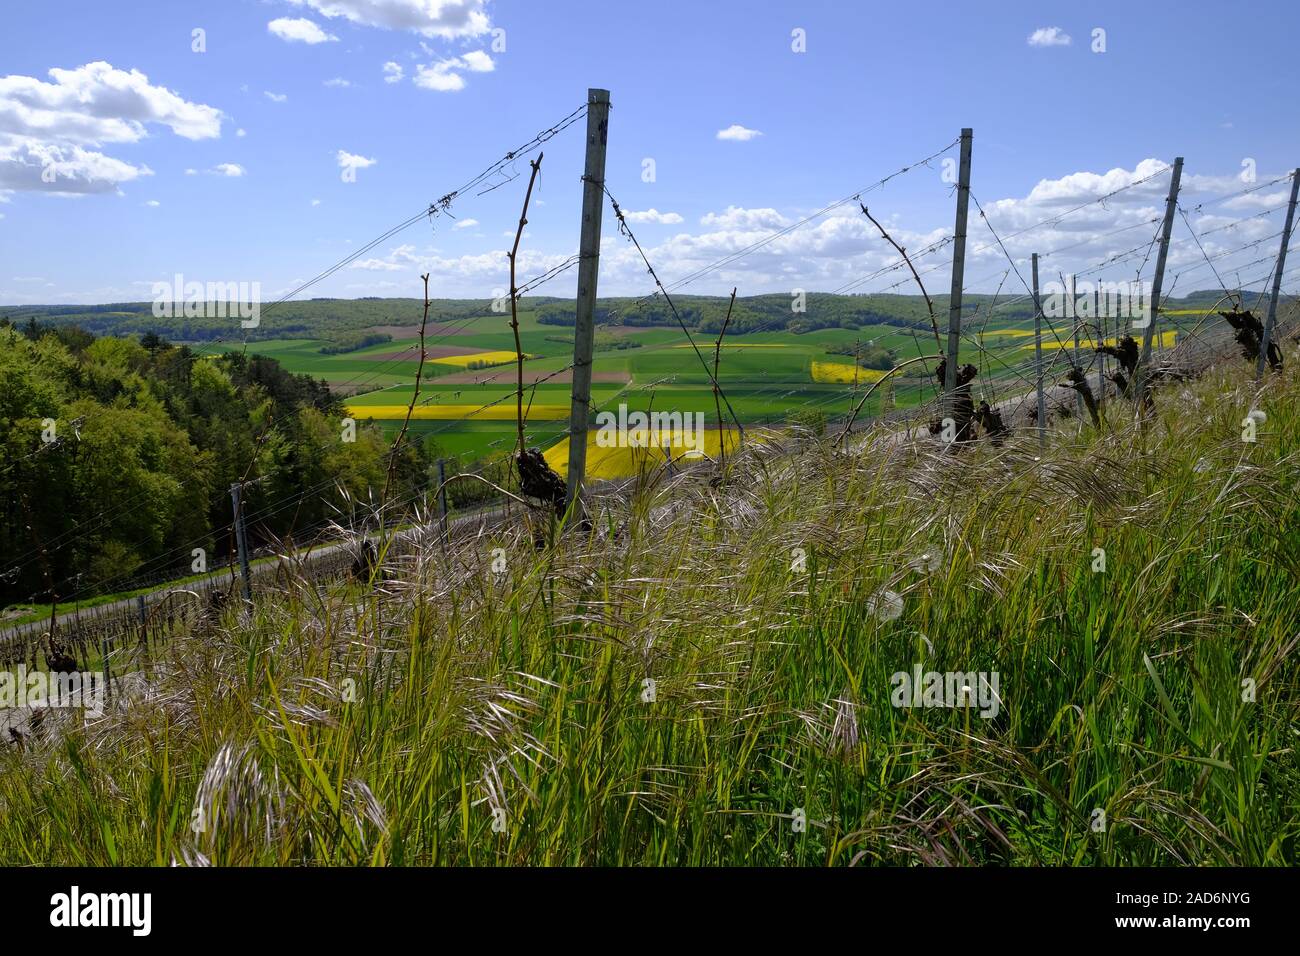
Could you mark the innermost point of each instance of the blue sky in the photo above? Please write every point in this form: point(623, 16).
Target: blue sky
point(226, 164)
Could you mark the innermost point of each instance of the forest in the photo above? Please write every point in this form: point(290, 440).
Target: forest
point(119, 454)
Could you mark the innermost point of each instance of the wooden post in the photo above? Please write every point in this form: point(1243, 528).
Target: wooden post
point(107, 671)
point(1101, 356)
point(442, 502)
point(1277, 277)
point(241, 542)
point(1078, 395)
point(1171, 203)
point(140, 606)
point(1038, 358)
point(958, 274)
point(593, 202)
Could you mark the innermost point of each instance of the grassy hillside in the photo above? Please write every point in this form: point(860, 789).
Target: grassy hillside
point(706, 678)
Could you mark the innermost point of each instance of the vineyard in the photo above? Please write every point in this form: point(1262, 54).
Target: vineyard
point(653, 653)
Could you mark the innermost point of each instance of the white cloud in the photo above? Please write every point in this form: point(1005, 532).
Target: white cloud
point(1083, 186)
point(153, 204)
point(466, 224)
point(315, 202)
point(1049, 36)
point(101, 294)
point(439, 77)
point(653, 215)
point(469, 275)
point(735, 217)
point(835, 249)
point(299, 30)
point(443, 76)
point(392, 72)
point(821, 255)
point(352, 160)
point(240, 133)
point(1126, 222)
point(45, 127)
point(478, 61)
point(403, 257)
point(338, 83)
point(98, 103)
point(32, 166)
point(228, 169)
point(275, 97)
point(738, 133)
point(449, 19)
point(191, 172)
point(1257, 200)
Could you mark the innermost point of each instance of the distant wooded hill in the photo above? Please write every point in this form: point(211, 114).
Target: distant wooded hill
point(341, 319)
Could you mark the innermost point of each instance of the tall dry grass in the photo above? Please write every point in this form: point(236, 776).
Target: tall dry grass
point(451, 714)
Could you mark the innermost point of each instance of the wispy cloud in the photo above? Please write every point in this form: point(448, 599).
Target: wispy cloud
point(1049, 36)
point(449, 19)
point(653, 215)
point(353, 161)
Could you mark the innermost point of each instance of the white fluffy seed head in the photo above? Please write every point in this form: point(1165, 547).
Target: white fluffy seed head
point(886, 605)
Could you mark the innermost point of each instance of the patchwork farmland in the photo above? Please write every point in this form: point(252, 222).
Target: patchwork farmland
point(467, 413)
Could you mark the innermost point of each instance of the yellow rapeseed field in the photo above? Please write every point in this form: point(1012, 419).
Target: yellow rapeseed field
point(502, 411)
point(840, 372)
point(490, 358)
point(1165, 340)
point(609, 463)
